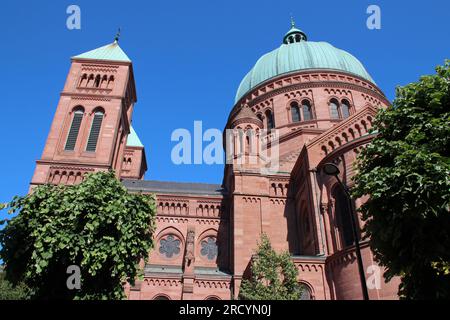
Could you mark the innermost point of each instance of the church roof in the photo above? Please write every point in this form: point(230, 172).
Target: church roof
point(300, 55)
point(133, 139)
point(169, 187)
point(110, 52)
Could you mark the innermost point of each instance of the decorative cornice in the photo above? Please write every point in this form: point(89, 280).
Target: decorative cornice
point(71, 168)
point(92, 97)
point(158, 198)
point(318, 84)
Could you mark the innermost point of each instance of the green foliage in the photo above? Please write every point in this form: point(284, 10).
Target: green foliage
point(10, 292)
point(97, 225)
point(273, 276)
point(406, 172)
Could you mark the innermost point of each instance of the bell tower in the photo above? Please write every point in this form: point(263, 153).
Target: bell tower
point(92, 119)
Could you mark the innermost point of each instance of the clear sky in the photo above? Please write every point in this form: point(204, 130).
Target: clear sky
point(189, 58)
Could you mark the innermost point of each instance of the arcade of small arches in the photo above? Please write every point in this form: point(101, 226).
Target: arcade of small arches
point(96, 81)
point(352, 132)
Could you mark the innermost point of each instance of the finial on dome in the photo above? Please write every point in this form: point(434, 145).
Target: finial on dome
point(292, 21)
point(116, 38)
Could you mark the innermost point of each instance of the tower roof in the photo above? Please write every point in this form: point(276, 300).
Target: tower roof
point(133, 139)
point(110, 52)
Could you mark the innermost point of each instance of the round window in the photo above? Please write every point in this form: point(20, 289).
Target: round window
point(169, 246)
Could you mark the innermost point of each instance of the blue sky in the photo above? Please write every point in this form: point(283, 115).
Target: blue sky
point(189, 58)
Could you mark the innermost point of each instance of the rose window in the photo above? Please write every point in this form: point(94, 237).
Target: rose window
point(209, 248)
point(169, 246)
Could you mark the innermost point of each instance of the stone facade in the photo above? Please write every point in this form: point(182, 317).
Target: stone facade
point(206, 234)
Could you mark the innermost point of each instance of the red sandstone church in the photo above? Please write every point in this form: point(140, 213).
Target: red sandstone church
point(321, 101)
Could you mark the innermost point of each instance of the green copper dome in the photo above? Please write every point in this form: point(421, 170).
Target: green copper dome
point(297, 54)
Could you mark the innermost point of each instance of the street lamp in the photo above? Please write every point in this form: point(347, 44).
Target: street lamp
point(331, 169)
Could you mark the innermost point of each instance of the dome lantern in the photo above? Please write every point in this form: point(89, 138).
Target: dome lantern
point(294, 35)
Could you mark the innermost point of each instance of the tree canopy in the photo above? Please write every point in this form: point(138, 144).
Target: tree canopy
point(405, 171)
point(273, 276)
point(96, 225)
point(10, 292)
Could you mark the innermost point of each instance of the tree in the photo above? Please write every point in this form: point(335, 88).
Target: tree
point(405, 171)
point(10, 292)
point(96, 225)
point(273, 276)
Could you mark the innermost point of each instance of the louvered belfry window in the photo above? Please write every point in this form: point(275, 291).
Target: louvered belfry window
point(74, 130)
point(95, 131)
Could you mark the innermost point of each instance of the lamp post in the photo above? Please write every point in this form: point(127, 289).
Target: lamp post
point(332, 170)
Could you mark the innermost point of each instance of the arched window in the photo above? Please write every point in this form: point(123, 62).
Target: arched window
point(209, 248)
point(345, 109)
point(270, 120)
point(260, 117)
point(295, 112)
point(161, 297)
point(95, 131)
point(169, 246)
point(74, 129)
point(334, 112)
point(306, 292)
point(343, 216)
point(110, 82)
point(90, 80)
point(104, 82)
point(83, 80)
point(307, 115)
point(97, 81)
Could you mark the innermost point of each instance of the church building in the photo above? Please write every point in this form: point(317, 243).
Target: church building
point(319, 100)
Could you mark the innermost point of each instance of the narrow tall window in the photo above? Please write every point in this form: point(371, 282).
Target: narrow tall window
point(306, 110)
point(295, 112)
point(97, 81)
point(95, 131)
point(345, 109)
point(334, 112)
point(270, 120)
point(343, 215)
point(74, 129)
